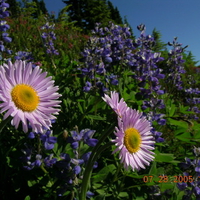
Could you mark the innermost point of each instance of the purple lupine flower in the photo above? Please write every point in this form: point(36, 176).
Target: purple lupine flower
point(87, 137)
point(31, 135)
point(48, 38)
point(4, 26)
point(64, 163)
point(146, 71)
point(87, 87)
point(38, 162)
point(29, 160)
point(6, 38)
point(175, 66)
point(86, 156)
point(23, 55)
point(27, 154)
point(69, 168)
point(77, 169)
point(107, 47)
point(192, 187)
point(181, 186)
point(49, 161)
point(89, 194)
point(48, 140)
point(157, 135)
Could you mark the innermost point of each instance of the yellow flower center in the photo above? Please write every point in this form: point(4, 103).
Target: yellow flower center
point(25, 97)
point(132, 140)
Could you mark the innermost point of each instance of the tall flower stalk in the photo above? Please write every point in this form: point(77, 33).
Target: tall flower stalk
point(48, 36)
point(4, 27)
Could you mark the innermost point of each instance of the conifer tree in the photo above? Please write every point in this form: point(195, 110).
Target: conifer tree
point(127, 24)
point(88, 12)
point(114, 13)
point(76, 11)
point(159, 45)
point(14, 8)
point(40, 8)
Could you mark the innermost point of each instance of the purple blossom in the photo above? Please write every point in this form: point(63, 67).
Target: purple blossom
point(87, 87)
point(107, 47)
point(48, 140)
point(31, 135)
point(49, 161)
point(193, 187)
point(77, 169)
point(89, 194)
point(181, 186)
point(84, 135)
point(4, 26)
point(48, 38)
point(23, 55)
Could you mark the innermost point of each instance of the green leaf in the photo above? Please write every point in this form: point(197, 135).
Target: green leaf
point(27, 198)
point(101, 192)
point(164, 157)
point(31, 183)
point(103, 173)
point(184, 109)
point(171, 110)
point(153, 169)
point(186, 137)
point(179, 131)
point(80, 108)
point(178, 123)
point(123, 194)
point(100, 197)
point(166, 186)
point(95, 117)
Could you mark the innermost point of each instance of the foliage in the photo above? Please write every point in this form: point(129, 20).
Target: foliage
point(75, 158)
point(88, 12)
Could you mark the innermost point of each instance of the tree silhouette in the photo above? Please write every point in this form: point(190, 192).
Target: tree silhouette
point(88, 12)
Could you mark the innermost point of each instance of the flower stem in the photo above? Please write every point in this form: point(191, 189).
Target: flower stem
point(94, 155)
point(4, 123)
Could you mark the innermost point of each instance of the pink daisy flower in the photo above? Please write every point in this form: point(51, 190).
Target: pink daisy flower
point(28, 96)
point(118, 106)
point(134, 140)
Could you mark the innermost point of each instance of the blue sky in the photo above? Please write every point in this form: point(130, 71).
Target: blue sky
point(173, 18)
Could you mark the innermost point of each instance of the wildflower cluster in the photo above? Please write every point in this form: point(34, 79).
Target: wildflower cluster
point(33, 153)
point(71, 168)
point(192, 97)
point(4, 26)
point(147, 75)
point(48, 37)
point(174, 79)
point(106, 50)
point(174, 68)
point(23, 55)
point(111, 47)
point(68, 168)
point(193, 170)
point(133, 137)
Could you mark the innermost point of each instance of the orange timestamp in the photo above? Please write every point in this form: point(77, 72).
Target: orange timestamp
point(166, 179)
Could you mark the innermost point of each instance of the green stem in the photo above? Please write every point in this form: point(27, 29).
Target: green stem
point(94, 155)
point(43, 169)
point(4, 123)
